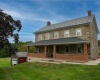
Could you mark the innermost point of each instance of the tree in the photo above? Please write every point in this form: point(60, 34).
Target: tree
point(98, 42)
point(7, 27)
point(16, 38)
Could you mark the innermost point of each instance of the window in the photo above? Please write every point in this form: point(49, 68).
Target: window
point(66, 34)
point(57, 49)
point(41, 49)
point(40, 37)
point(47, 49)
point(56, 35)
point(47, 36)
point(79, 48)
point(78, 32)
point(67, 49)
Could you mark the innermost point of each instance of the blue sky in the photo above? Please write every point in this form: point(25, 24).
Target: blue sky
point(35, 13)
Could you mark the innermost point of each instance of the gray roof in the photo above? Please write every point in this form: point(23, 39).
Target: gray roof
point(69, 23)
point(21, 54)
point(70, 40)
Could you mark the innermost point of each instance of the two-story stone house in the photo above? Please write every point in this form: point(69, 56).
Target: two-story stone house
point(74, 39)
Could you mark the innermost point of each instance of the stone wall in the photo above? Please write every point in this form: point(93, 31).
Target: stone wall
point(72, 33)
point(93, 42)
point(88, 33)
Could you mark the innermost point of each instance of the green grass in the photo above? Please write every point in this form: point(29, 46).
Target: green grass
point(99, 49)
point(4, 62)
point(44, 71)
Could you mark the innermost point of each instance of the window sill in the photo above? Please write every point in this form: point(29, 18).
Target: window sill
point(78, 36)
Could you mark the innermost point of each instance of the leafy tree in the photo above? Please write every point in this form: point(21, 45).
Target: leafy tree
point(98, 42)
point(16, 38)
point(7, 27)
point(22, 46)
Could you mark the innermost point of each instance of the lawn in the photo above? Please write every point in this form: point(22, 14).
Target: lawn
point(4, 62)
point(99, 49)
point(44, 71)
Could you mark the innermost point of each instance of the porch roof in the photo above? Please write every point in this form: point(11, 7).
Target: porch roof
point(71, 40)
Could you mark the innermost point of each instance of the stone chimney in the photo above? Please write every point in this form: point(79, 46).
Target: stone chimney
point(48, 23)
point(89, 12)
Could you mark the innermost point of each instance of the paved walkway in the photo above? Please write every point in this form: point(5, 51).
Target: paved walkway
point(56, 61)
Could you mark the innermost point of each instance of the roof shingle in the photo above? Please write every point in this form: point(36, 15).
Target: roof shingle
point(77, 21)
point(21, 54)
point(70, 40)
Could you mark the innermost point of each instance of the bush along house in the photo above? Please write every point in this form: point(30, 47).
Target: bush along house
point(73, 40)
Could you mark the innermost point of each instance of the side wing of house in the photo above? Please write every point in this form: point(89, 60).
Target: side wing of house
point(93, 39)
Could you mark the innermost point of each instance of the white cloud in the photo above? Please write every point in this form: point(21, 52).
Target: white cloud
point(97, 14)
point(33, 14)
point(23, 38)
point(11, 40)
point(97, 1)
point(26, 14)
point(54, 17)
point(13, 13)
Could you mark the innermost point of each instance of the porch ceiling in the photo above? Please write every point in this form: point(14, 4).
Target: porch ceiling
point(71, 40)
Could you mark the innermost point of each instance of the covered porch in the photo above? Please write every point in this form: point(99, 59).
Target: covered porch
point(77, 51)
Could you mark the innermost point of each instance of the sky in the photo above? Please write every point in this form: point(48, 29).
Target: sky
point(34, 14)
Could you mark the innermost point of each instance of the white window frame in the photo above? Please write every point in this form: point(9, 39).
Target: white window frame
point(47, 36)
point(66, 33)
point(40, 37)
point(56, 35)
point(78, 32)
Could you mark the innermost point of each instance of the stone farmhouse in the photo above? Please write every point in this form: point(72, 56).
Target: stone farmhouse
point(73, 40)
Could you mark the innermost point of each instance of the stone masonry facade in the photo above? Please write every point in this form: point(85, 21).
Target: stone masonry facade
point(70, 51)
point(72, 33)
point(93, 41)
point(89, 33)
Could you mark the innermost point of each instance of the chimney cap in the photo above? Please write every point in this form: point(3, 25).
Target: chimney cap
point(89, 12)
point(48, 23)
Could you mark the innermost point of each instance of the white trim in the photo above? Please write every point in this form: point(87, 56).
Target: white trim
point(47, 36)
point(39, 37)
point(56, 35)
point(79, 30)
point(66, 31)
